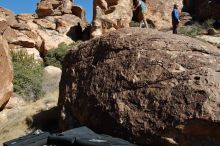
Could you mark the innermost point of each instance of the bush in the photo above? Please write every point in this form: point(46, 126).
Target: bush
point(208, 23)
point(54, 57)
point(196, 28)
point(134, 24)
point(192, 30)
point(28, 75)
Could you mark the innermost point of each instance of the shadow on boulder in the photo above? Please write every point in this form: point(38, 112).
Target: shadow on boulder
point(77, 33)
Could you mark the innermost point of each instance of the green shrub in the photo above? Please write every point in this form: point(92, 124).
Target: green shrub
point(191, 30)
point(27, 75)
point(208, 23)
point(197, 28)
point(134, 24)
point(54, 57)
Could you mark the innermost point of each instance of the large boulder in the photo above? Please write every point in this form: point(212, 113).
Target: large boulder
point(6, 77)
point(146, 86)
point(110, 15)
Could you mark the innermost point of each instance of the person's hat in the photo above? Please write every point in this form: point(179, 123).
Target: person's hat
point(175, 5)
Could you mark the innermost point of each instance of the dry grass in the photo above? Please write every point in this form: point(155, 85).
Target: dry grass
point(13, 121)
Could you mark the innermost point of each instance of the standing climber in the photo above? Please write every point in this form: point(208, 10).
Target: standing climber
point(175, 18)
point(141, 7)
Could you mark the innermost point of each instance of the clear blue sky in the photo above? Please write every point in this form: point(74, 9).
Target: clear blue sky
point(29, 6)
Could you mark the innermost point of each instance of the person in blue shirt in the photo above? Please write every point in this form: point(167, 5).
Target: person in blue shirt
point(175, 18)
point(142, 8)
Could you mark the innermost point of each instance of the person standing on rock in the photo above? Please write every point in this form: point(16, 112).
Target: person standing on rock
point(142, 9)
point(175, 18)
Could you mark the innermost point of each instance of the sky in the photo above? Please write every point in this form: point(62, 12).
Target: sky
point(29, 6)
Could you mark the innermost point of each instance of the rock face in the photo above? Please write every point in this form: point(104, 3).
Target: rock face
point(159, 12)
point(6, 73)
point(203, 8)
point(110, 15)
point(145, 86)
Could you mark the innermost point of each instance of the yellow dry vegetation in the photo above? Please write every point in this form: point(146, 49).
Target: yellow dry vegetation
point(13, 120)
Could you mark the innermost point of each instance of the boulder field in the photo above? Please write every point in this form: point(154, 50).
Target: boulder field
point(146, 86)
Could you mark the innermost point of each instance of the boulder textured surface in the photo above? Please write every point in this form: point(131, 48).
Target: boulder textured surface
point(145, 86)
point(110, 15)
point(6, 88)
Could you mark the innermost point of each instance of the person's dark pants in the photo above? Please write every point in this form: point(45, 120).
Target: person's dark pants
point(175, 27)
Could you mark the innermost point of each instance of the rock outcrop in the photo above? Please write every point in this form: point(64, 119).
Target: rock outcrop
point(145, 86)
point(6, 88)
point(45, 30)
point(203, 8)
point(54, 7)
point(110, 15)
point(36, 34)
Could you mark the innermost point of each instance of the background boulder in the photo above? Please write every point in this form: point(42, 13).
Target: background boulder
point(159, 12)
point(145, 86)
point(110, 15)
point(51, 79)
point(6, 88)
